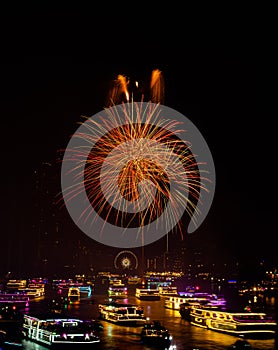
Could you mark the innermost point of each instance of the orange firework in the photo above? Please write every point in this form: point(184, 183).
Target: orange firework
point(120, 89)
point(157, 86)
point(128, 168)
point(129, 173)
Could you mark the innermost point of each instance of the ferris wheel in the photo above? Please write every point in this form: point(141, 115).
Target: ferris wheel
point(126, 260)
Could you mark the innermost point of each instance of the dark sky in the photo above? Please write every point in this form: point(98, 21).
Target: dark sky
point(44, 97)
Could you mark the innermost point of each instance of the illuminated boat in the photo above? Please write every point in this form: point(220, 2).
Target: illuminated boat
point(128, 315)
point(59, 332)
point(19, 298)
point(155, 334)
point(175, 302)
point(63, 288)
point(85, 291)
point(117, 291)
point(134, 280)
point(185, 308)
point(166, 291)
point(240, 324)
point(14, 285)
point(33, 291)
point(73, 294)
point(149, 294)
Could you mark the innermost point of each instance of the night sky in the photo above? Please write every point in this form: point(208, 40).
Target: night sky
point(44, 97)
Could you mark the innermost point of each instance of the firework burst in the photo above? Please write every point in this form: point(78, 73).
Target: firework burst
point(129, 171)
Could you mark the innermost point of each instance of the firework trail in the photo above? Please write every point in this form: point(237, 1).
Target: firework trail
point(119, 91)
point(157, 87)
point(124, 89)
point(129, 171)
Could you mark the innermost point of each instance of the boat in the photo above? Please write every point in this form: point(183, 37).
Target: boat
point(115, 280)
point(118, 291)
point(18, 298)
point(59, 332)
point(14, 285)
point(73, 294)
point(155, 334)
point(166, 291)
point(85, 291)
point(122, 314)
point(149, 294)
point(185, 308)
point(33, 291)
point(175, 302)
point(134, 280)
point(237, 323)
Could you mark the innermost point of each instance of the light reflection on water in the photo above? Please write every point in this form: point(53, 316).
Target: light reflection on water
point(185, 335)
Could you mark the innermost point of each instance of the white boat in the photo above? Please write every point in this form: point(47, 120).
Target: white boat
point(175, 302)
point(15, 284)
point(122, 314)
point(60, 332)
point(149, 294)
point(240, 324)
point(185, 308)
point(166, 291)
point(33, 291)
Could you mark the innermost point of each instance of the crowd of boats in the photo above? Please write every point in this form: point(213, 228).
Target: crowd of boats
point(205, 310)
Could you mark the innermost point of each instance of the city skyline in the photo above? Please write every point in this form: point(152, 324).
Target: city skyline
point(45, 98)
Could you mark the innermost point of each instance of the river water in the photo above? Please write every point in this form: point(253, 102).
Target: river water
point(185, 335)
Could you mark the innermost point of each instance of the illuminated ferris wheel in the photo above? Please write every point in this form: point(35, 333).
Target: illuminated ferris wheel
point(126, 260)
